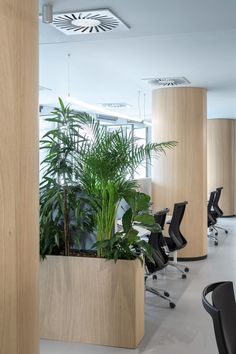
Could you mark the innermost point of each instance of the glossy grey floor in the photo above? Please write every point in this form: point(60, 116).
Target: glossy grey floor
point(187, 328)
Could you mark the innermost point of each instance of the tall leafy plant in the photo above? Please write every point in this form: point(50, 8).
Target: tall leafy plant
point(126, 244)
point(109, 160)
point(64, 209)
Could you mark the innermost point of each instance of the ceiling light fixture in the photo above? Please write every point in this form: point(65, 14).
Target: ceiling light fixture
point(97, 109)
point(47, 13)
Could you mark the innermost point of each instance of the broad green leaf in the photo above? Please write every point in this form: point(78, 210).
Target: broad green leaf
point(127, 220)
point(145, 219)
point(142, 202)
point(132, 235)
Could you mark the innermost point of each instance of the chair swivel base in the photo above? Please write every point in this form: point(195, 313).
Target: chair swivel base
point(178, 267)
point(221, 228)
point(214, 237)
point(164, 296)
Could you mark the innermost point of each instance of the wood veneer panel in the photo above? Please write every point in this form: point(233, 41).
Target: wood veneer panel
point(180, 114)
point(19, 177)
point(92, 300)
point(221, 160)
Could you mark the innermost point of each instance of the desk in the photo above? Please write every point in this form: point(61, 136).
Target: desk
point(142, 232)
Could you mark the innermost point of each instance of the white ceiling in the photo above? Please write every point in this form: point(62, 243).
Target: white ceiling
point(195, 39)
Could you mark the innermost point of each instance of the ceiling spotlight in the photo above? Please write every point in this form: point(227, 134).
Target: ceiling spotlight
point(47, 13)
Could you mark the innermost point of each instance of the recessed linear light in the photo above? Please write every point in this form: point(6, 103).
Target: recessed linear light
point(98, 109)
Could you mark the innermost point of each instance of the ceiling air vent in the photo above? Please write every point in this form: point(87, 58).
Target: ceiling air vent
point(168, 81)
point(88, 22)
point(115, 105)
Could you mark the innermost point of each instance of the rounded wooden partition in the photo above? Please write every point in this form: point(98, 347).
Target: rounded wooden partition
point(19, 255)
point(180, 114)
point(221, 161)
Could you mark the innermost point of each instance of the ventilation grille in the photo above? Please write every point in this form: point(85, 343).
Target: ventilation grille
point(88, 22)
point(115, 105)
point(168, 81)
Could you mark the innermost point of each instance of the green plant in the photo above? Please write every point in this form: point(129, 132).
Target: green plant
point(86, 172)
point(127, 244)
point(64, 206)
point(109, 160)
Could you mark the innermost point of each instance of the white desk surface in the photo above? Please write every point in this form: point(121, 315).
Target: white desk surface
point(142, 232)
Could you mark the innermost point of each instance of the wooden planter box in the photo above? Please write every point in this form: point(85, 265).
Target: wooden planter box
point(91, 300)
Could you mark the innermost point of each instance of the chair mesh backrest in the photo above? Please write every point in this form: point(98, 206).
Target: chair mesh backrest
point(161, 259)
point(223, 313)
point(211, 200)
point(160, 217)
point(211, 219)
point(218, 194)
point(174, 229)
point(216, 201)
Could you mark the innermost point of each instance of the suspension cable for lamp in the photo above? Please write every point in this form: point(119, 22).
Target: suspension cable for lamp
point(144, 106)
point(139, 105)
point(68, 74)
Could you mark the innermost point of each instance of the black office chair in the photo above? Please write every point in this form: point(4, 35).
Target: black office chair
point(223, 312)
point(217, 212)
point(161, 260)
point(211, 220)
point(176, 241)
point(160, 217)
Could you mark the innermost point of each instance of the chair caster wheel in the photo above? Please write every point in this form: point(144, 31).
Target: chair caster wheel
point(172, 305)
point(184, 276)
point(166, 293)
point(186, 269)
point(154, 277)
point(216, 243)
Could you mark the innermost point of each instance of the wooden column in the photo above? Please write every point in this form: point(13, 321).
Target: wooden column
point(180, 114)
point(19, 240)
point(221, 160)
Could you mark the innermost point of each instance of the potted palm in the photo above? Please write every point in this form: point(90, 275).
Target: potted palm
point(109, 160)
point(92, 299)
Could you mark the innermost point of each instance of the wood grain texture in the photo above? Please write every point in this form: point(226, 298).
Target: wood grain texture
point(92, 300)
point(180, 114)
point(221, 161)
point(19, 333)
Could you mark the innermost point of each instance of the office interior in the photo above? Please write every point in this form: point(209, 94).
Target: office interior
point(118, 171)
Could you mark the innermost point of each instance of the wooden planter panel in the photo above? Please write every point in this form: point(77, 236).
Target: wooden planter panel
point(92, 300)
